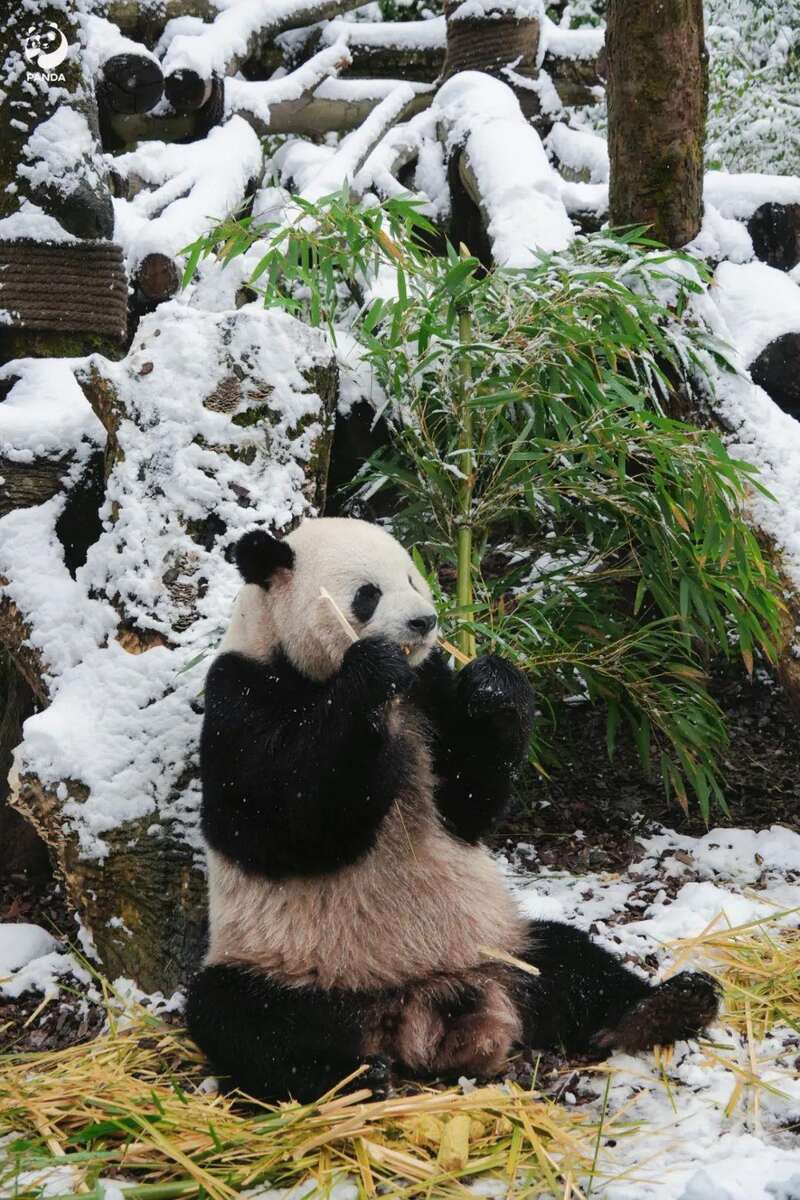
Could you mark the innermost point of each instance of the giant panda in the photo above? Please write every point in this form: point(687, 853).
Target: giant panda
point(357, 921)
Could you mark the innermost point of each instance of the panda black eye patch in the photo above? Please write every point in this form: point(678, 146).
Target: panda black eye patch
point(365, 601)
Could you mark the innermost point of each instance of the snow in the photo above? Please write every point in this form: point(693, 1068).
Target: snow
point(61, 153)
point(757, 303)
point(579, 150)
point(210, 48)
point(683, 1130)
point(580, 43)
point(740, 195)
point(46, 415)
point(404, 35)
point(103, 40)
point(721, 238)
point(66, 624)
point(488, 10)
point(48, 971)
point(20, 944)
point(30, 221)
point(353, 150)
point(257, 98)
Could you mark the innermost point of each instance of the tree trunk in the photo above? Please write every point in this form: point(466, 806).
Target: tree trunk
point(657, 100)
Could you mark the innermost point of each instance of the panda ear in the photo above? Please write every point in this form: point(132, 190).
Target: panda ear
point(259, 556)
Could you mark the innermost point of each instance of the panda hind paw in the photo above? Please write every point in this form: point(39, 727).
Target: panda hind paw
point(680, 1008)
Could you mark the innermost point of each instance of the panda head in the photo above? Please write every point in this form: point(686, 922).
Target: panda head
point(369, 575)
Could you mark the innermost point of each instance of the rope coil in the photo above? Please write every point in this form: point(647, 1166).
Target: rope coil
point(490, 43)
point(77, 287)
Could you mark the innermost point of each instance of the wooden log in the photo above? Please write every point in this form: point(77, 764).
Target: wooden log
point(187, 91)
point(777, 371)
point(337, 106)
point(24, 852)
point(157, 278)
point(500, 37)
point(416, 50)
point(25, 483)
point(775, 230)
point(516, 208)
point(129, 83)
point(578, 81)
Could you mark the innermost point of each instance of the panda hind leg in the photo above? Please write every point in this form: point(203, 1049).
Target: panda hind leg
point(586, 1001)
point(277, 1043)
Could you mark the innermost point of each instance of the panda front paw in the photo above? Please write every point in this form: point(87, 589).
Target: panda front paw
point(490, 688)
point(376, 670)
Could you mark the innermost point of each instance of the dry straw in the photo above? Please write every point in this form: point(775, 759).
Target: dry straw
point(758, 966)
point(128, 1106)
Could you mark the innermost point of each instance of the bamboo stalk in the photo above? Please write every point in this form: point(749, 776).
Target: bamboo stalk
point(465, 638)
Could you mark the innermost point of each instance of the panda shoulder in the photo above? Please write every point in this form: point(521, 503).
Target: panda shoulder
point(233, 674)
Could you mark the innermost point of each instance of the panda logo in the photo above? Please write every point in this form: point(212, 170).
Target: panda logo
point(45, 46)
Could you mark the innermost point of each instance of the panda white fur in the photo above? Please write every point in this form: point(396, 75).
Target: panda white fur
point(355, 916)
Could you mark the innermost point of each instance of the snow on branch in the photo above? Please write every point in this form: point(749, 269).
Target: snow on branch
point(237, 34)
point(503, 167)
point(255, 101)
point(395, 48)
point(179, 190)
point(358, 145)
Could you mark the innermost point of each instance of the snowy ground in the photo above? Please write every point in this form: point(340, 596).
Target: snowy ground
point(691, 1131)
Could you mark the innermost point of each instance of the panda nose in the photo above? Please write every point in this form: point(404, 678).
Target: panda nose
point(422, 625)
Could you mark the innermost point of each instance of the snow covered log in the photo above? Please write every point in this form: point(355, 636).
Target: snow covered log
point(769, 207)
point(215, 422)
point(575, 61)
point(175, 192)
point(237, 33)
point(144, 22)
point(129, 83)
point(761, 309)
point(309, 101)
point(499, 173)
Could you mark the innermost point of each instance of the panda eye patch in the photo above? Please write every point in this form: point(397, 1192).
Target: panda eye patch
point(365, 601)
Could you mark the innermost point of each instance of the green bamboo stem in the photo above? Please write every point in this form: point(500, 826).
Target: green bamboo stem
point(465, 638)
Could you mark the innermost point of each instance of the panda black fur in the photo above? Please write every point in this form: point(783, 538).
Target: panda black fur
point(346, 788)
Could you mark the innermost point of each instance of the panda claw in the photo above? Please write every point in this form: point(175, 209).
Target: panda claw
point(377, 1077)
